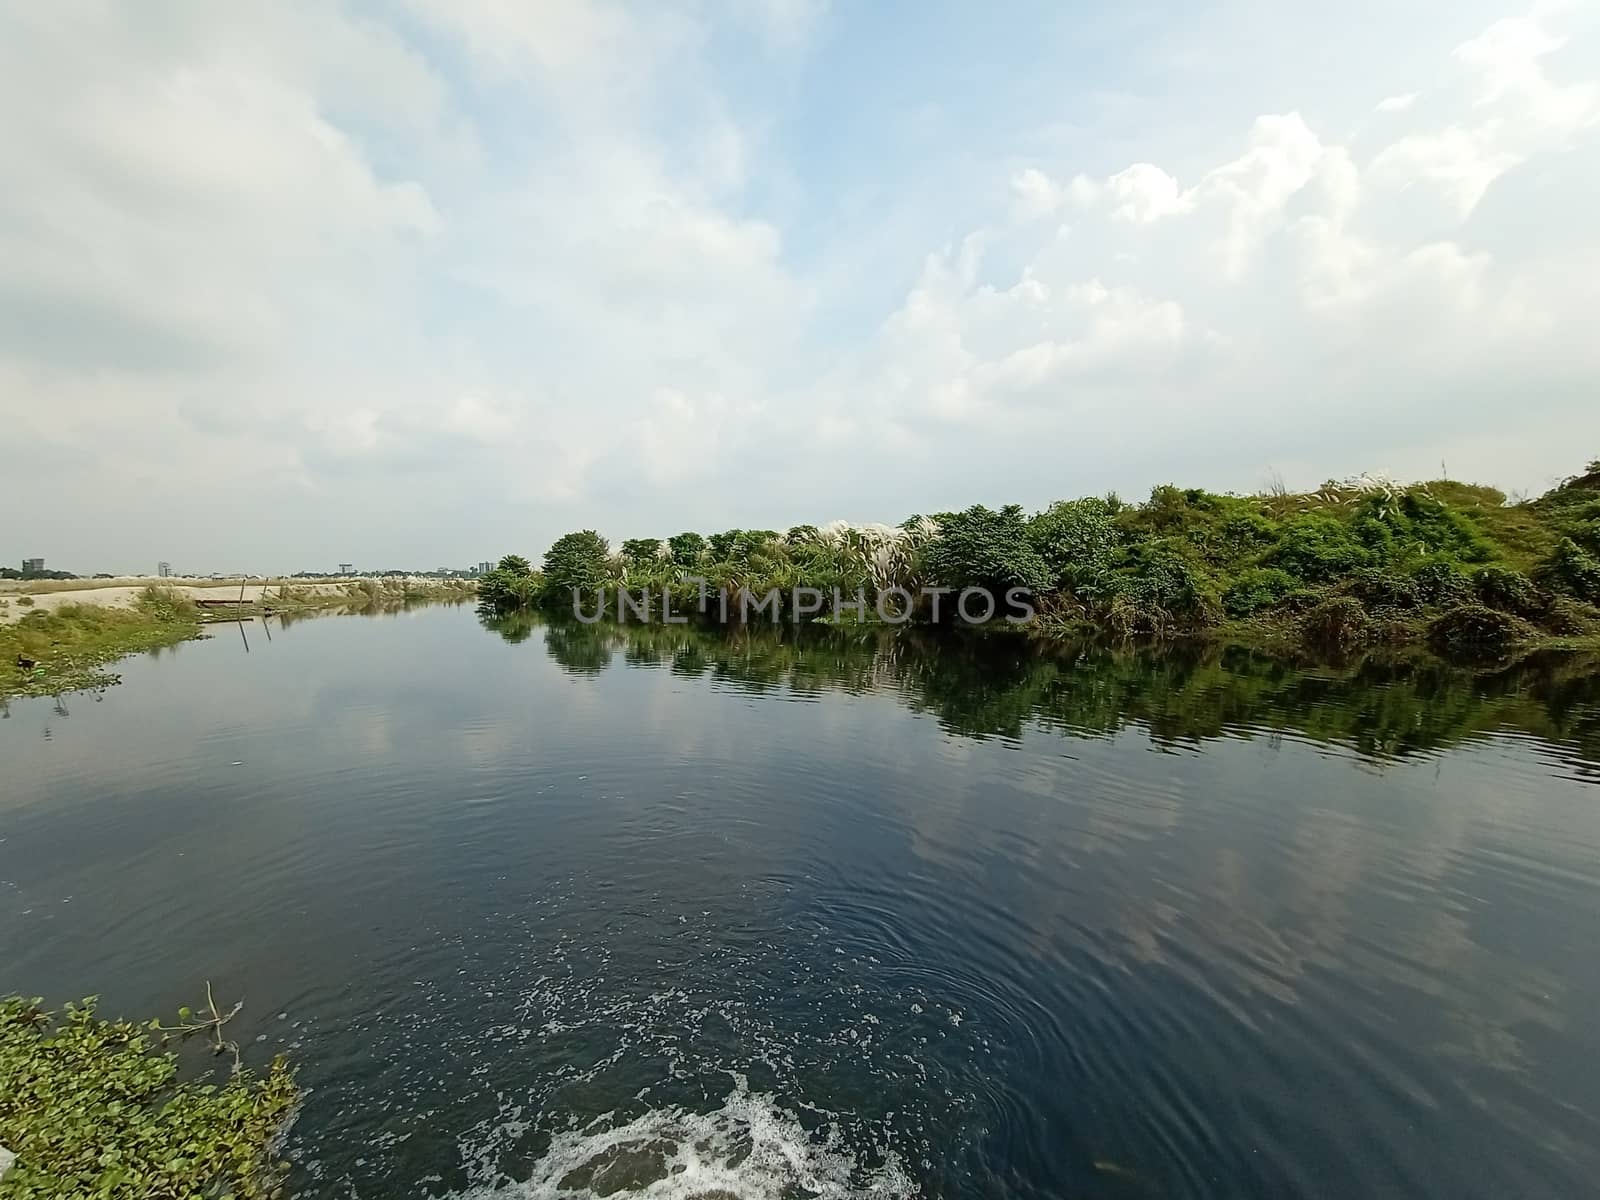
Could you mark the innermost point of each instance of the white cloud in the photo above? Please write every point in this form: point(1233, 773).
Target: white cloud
point(570, 264)
point(1145, 193)
point(1320, 259)
point(1034, 194)
point(1396, 104)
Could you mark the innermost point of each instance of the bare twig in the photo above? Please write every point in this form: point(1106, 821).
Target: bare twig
point(209, 1021)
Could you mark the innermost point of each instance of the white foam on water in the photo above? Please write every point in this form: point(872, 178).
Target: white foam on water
point(748, 1149)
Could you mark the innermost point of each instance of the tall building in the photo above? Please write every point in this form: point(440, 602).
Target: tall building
point(485, 567)
point(347, 568)
point(33, 564)
point(164, 570)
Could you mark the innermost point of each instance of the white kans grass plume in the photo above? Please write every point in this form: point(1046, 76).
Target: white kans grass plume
point(1368, 483)
point(887, 554)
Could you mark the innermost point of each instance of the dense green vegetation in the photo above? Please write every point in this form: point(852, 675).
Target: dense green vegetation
point(1359, 563)
point(96, 1108)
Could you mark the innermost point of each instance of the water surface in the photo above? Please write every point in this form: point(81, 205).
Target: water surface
point(543, 910)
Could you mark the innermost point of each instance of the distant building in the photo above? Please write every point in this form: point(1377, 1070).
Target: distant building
point(485, 567)
point(347, 568)
point(33, 564)
point(164, 570)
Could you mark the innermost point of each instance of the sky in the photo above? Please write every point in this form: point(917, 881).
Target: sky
point(427, 282)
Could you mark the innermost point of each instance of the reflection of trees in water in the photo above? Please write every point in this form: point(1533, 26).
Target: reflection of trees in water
point(582, 649)
point(998, 685)
point(514, 627)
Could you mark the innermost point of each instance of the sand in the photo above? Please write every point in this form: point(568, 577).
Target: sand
point(124, 593)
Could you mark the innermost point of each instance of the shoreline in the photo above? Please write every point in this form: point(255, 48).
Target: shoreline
point(61, 641)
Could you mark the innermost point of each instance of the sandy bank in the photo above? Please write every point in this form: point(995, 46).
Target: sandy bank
point(124, 593)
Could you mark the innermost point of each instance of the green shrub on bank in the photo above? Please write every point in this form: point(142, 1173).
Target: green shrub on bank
point(513, 584)
point(1256, 589)
point(95, 1108)
point(1414, 525)
point(167, 604)
point(990, 549)
point(1572, 570)
point(1336, 625)
point(1509, 591)
point(1078, 541)
point(1318, 548)
point(1474, 631)
point(1568, 617)
point(1441, 583)
point(1380, 587)
point(1165, 578)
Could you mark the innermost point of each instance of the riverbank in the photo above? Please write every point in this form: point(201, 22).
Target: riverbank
point(62, 639)
point(1363, 562)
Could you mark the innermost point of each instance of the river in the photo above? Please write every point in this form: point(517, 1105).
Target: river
point(563, 910)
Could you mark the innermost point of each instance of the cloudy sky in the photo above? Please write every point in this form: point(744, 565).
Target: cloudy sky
point(415, 283)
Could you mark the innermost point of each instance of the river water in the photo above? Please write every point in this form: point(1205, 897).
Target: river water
point(544, 911)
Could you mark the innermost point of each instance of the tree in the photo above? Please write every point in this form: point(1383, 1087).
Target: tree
point(1077, 540)
point(515, 564)
point(641, 551)
point(986, 549)
point(575, 563)
point(721, 544)
point(686, 548)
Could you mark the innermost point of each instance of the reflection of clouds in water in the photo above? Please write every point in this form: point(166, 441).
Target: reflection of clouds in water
point(1073, 871)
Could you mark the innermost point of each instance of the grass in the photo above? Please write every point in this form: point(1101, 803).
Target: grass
point(48, 652)
point(96, 1108)
point(66, 648)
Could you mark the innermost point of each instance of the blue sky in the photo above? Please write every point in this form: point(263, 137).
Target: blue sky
point(435, 280)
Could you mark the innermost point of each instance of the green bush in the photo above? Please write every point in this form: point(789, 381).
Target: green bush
point(1474, 631)
point(1246, 533)
point(1257, 589)
point(513, 584)
point(1077, 540)
point(1167, 507)
point(1505, 589)
point(1378, 587)
point(1439, 583)
point(1402, 528)
point(1338, 623)
point(1568, 617)
point(989, 549)
point(1572, 570)
point(1161, 577)
point(1318, 548)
